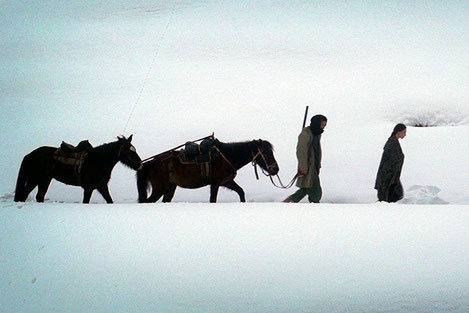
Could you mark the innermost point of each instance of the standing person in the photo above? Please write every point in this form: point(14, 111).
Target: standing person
point(309, 154)
point(388, 182)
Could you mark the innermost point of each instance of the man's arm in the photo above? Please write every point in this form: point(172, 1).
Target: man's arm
point(303, 151)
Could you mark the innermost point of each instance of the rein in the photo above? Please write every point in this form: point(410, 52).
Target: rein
point(282, 186)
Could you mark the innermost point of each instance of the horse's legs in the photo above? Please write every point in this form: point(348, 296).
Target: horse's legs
point(214, 192)
point(169, 194)
point(155, 195)
point(104, 191)
point(87, 195)
point(27, 190)
point(235, 187)
point(42, 189)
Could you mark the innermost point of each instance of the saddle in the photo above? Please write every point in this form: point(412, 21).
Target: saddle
point(75, 156)
point(69, 148)
point(202, 154)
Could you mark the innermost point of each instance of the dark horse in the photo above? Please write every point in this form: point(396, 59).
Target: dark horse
point(94, 172)
point(166, 171)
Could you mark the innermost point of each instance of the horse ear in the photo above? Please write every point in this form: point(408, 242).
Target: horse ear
point(130, 138)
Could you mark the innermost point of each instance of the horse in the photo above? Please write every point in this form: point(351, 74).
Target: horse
point(91, 170)
point(167, 170)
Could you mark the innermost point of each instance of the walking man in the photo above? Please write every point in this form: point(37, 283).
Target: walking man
point(309, 154)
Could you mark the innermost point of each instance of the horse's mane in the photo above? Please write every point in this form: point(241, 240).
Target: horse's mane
point(105, 148)
point(240, 148)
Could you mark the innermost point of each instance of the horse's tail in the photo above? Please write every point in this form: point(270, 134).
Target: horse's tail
point(142, 183)
point(21, 181)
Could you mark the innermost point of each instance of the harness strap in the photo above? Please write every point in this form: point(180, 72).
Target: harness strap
point(255, 170)
point(156, 156)
point(73, 159)
point(224, 157)
point(79, 166)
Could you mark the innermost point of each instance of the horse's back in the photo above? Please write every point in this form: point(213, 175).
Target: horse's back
point(37, 164)
point(40, 153)
point(43, 150)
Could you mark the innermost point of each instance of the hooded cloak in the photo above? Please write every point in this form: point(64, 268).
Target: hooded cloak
point(388, 181)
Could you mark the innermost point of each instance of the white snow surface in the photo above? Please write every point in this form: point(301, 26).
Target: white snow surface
point(231, 257)
point(174, 71)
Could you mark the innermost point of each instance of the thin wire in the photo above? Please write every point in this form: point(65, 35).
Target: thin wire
point(157, 50)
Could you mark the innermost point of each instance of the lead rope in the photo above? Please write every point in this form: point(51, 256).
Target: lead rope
point(280, 183)
point(282, 186)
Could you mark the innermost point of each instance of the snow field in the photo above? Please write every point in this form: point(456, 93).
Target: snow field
point(255, 257)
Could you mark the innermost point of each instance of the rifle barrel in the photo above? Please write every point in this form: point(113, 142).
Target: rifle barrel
point(306, 115)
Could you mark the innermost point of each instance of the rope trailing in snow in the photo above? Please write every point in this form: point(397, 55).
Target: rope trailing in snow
point(157, 50)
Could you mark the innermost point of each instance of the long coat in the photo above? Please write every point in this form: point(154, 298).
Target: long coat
point(388, 182)
point(306, 157)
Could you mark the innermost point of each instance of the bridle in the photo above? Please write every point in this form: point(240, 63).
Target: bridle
point(269, 166)
point(121, 150)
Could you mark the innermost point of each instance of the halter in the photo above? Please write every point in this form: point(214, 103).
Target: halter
point(119, 153)
point(254, 163)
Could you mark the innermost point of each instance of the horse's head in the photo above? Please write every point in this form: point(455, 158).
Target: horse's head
point(264, 156)
point(128, 154)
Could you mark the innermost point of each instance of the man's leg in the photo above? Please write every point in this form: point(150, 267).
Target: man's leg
point(315, 192)
point(297, 196)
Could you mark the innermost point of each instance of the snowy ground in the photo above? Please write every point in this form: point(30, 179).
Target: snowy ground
point(259, 257)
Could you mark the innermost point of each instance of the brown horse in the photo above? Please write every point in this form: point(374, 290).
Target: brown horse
point(93, 171)
point(166, 171)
